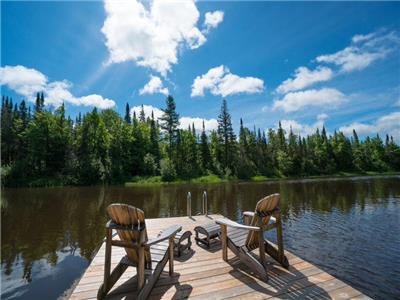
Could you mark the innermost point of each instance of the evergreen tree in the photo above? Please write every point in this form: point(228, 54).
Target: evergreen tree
point(142, 115)
point(205, 161)
point(154, 140)
point(170, 123)
point(127, 114)
point(226, 137)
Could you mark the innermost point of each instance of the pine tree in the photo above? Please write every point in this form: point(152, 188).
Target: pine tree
point(226, 137)
point(39, 103)
point(170, 122)
point(154, 140)
point(127, 114)
point(206, 163)
point(142, 116)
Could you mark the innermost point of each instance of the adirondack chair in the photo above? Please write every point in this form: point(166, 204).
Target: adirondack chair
point(148, 256)
point(243, 239)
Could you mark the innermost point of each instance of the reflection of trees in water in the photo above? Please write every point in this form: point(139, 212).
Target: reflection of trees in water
point(39, 223)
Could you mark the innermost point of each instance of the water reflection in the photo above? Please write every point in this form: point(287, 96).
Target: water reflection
point(50, 234)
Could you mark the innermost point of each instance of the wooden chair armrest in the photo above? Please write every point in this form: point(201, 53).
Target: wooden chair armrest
point(166, 234)
point(248, 213)
point(112, 225)
point(233, 224)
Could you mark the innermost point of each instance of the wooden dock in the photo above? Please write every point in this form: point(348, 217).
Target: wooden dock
point(202, 274)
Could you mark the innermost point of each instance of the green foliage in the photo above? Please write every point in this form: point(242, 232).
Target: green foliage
point(150, 165)
point(167, 169)
point(47, 148)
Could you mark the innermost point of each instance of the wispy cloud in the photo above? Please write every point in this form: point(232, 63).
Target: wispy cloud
point(363, 51)
point(151, 36)
point(294, 101)
point(221, 82)
point(389, 124)
point(154, 86)
point(304, 77)
point(27, 82)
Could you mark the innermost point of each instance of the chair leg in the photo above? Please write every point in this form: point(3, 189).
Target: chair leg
point(261, 247)
point(224, 240)
point(171, 255)
point(105, 287)
point(279, 238)
point(140, 268)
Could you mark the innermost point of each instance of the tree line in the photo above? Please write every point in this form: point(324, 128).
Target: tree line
point(43, 147)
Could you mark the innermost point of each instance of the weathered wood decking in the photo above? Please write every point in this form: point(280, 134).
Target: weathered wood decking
point(202, 274)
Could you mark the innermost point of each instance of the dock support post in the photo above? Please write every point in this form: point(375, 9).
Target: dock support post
point(205, 203)
point(189, 205)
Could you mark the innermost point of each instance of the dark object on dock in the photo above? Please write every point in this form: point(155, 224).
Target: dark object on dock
point(208, 231)
point(179, 241)
point(148, 256)
point(242, 239)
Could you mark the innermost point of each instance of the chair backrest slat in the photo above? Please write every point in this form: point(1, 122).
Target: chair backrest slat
point(132, 217)
point(262, 214)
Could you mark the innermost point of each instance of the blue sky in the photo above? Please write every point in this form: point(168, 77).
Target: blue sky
point(305, 63)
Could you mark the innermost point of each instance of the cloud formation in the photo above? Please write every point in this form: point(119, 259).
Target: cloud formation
point(309, 98)
point(221, 82)
point(184, 122)
point(304, 77)
point(303, 129)
point(363, 51)
point(148, 109)
point(209, 124)
point(27, 82)
point(389, 124)
point(151, 35)
point(154, 86)
point(212, 19)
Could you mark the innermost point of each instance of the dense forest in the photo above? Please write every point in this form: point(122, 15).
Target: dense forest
point(43, 147)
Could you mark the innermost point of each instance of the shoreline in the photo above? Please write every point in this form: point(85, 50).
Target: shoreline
point(211, 179)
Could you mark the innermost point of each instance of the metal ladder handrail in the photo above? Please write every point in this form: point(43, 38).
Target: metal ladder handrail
point(189, 204)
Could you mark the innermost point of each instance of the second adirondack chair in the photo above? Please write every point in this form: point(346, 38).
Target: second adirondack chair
point(129, 222)
point(242, 239)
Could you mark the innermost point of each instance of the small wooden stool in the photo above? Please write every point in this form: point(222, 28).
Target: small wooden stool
point(180, 237)
point(209, 231)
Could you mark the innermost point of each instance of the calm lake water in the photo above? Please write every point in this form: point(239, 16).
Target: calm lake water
point(348, 227)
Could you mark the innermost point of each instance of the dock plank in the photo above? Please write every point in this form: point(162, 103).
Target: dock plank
point(203, 274)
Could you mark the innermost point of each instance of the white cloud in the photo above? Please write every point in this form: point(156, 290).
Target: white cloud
point(362, 37)
point(212, 19)
point(27, 82)
point(147, 111)
point(303, 77)
point(151, 34)
point(303, 129)
point(209, 124)
point(97, 101)
point(22, 80)
point(154, 86)
point(389, 124)
point(363, 51)
point(295, 101)
point(221, 82)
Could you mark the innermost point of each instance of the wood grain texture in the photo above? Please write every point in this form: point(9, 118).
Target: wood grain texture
point(202, 274)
